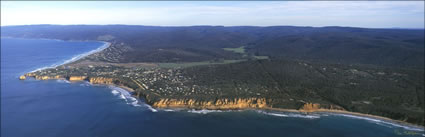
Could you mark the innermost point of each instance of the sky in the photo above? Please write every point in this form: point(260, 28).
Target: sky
point(367, 14)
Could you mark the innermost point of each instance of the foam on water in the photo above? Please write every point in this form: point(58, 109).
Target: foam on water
point(62, 81)
point(150, 108)
point(115, 92)
point(125, 95)
point(203, 111)
point(75, 58)
point(382, 122)
point(294, 115)
point(168, 110)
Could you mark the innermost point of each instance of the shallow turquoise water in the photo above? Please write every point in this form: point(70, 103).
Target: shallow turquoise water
point(59, 108)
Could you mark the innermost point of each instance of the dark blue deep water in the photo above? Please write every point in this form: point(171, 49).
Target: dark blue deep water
point(57, 108)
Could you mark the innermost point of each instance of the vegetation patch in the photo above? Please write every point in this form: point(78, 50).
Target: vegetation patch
point(261, 57)
point(240, 50)
point(191, 64)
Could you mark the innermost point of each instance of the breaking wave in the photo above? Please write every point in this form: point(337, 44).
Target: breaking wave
point(206, 111)
point(294, 115)
point(203, 111)
point(125, 95)
point(382, 122)
point(151, 108)
point(75, 58)
point(115, 92)
point(62, 81)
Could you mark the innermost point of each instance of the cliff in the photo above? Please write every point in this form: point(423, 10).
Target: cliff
point(93, 80)
point(77, 78)
point(236, 103)
point(312, 107)
point(47, 77)
point(100, 80)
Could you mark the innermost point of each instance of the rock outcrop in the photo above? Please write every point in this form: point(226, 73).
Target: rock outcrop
point(236, 103)
point(311, 107)
point(77, 78)
point(30, 74)
point(22, 77)
point(47, 77)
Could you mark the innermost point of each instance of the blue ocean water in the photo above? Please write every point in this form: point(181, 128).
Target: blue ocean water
point(56, 108)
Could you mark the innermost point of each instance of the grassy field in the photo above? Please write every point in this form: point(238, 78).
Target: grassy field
point(191, 64)
point(240, 50)
point(261, 57)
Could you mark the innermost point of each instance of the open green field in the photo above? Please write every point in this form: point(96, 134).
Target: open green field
point(191, 64)
point(261, 57)
point(240, 50)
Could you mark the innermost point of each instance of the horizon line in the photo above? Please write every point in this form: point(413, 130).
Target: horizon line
point(203, 25)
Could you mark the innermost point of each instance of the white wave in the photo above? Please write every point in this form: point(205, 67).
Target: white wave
point(151, 108)
point(62, 81)
point(168, 110)
point(279, 115)
point(290, 115)
point(382, 122)
point(86, 84)
point(75, 58)
point(204, 111)
point(125, 95)
point(115, 92)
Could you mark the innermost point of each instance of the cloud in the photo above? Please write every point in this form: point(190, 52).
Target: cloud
point(312, 13)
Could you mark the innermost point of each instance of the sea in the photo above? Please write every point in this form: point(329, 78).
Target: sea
point(59, 108)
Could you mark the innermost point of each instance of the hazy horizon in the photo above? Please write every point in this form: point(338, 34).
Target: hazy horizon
point(362, 14)
point(199, 25)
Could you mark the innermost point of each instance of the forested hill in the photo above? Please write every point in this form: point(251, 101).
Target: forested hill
point(387, 47)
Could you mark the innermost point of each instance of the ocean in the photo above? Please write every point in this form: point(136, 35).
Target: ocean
point(58, 108)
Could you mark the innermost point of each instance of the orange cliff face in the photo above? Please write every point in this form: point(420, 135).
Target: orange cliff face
point(77, 78)
point(100, 80)
point(237, 103)
point(311, 107)
point(47, 77)
point(30, 75)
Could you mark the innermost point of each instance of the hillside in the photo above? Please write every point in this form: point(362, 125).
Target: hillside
point(388, 47)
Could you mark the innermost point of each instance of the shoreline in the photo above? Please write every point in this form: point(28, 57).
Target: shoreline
point(77, 57)
point(393, 122)
point(73, 58)
point(356, 115)
point(130, 91)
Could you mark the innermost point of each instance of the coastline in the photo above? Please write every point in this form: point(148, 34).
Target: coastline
point(77, 57)
point(72, 59)
point(364, 116)
point(130, 90)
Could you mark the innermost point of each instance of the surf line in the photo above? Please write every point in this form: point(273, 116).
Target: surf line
point(77, 57)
